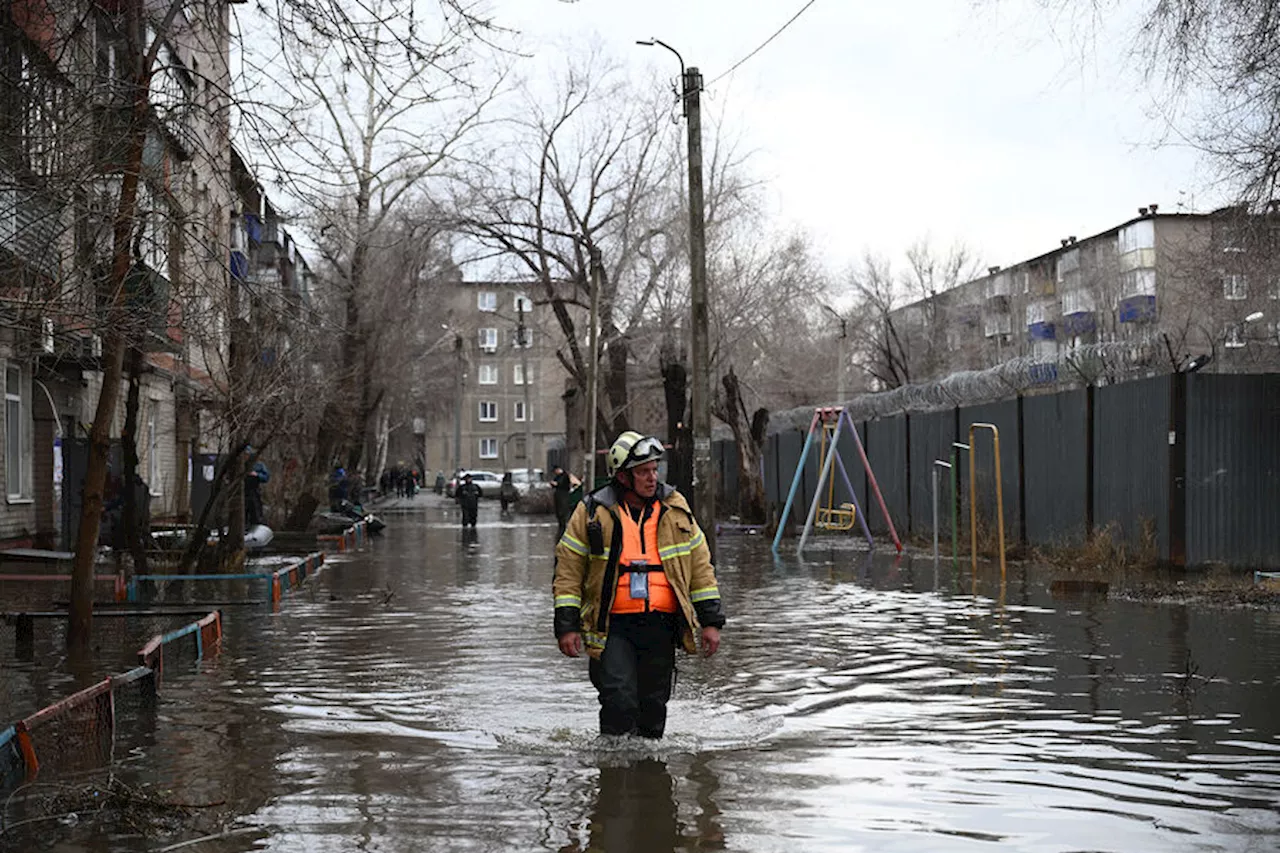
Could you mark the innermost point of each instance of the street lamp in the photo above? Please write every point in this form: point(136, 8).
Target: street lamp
point(844, 334)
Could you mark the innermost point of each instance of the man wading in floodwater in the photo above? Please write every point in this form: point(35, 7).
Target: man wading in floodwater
point(633, 578)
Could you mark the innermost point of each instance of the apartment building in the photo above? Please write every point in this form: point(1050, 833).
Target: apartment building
point(66, 85)
point(1182, 289)
point(506, 381)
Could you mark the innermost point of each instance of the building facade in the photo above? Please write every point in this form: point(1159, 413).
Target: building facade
point(68, 86)
point(1180, 290)
point(506, 383)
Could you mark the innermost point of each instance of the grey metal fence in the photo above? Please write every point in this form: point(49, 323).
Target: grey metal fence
point(1055, 467)
point(1198, 470)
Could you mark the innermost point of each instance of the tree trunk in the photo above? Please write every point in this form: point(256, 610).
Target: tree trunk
point(615, 384)
point(675, 389)
point(80, 621)
point(133, 513)
point(750, 439)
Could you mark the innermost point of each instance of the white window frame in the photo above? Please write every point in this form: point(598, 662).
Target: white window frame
point(488, 339)
point(517, 411)
point(487, 301)
point(517, 374)
point(488, 412)
point(488, 374)
point(528, 338)
point(519, 300)
point(17, 407)
point(1235, 287)
point(488, 448)
point(155, 476)
point(1233, 338)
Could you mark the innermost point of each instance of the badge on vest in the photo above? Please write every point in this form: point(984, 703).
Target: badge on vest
point(639, 581)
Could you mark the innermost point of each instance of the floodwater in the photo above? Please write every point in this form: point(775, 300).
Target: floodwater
point(414, 700)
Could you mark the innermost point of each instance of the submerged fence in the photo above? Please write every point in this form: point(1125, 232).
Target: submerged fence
point(78, 733)
point(1187, 462)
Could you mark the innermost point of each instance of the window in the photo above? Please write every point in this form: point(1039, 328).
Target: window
point(522, 303)
point(487, 300)
point(1235, 287)
point(1136, 245)
point(1077, 301)
point(519, 411)
point(488, 374)
point(488, 448)
point(153, 452)
point(1139, 235)
point(1234, 337)
point(1068, 263)
point(517, 374)
point(1138, 282)
point(488, 411)
point(489, 340)
point(522, 337)
point(17, 480)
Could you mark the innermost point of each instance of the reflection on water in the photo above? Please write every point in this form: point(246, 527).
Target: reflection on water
point(415, 700)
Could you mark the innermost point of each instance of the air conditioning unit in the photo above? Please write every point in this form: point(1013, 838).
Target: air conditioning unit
point(46, 335)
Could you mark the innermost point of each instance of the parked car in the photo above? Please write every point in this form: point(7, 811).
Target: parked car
point(526, 481)
point(488, 482)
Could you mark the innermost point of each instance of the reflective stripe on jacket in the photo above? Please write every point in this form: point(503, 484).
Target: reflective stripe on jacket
point(586, 577)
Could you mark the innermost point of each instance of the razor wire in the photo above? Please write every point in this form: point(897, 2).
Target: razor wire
point(1081, 366)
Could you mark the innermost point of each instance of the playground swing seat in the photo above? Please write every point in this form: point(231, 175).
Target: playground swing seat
point(843, 517)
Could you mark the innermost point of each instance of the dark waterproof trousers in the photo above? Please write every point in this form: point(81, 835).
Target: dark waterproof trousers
point(469, 515)
point(633, 674)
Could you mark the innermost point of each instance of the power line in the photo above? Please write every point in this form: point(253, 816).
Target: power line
point(763, 44)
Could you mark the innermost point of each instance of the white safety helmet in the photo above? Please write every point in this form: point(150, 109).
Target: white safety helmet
point(631, 449)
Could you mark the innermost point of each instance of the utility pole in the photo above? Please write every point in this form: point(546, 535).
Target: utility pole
point(589, 483)
point(524, 342)
point(841, 345)
point(703, 491)
point(457, 402)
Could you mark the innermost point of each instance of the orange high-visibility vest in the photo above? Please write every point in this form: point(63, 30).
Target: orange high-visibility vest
point(640, 545)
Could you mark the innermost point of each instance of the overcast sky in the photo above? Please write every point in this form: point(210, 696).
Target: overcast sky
point(879, 123)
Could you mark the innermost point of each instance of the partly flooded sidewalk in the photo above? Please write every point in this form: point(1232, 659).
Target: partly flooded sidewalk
point(412, 698)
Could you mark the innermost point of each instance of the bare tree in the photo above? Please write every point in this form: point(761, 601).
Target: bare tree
point(1218, 62)
point(594, 168)
point(900, 312)
point(381, 100)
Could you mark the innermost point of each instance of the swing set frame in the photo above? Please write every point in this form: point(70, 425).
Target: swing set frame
point(829, 424)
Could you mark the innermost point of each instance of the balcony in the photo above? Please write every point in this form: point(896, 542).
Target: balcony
point(1137, 309)
point(30, 224)
point(147, 298)
point(997, 324)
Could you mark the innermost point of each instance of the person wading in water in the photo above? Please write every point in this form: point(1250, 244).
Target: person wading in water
point(633, 579)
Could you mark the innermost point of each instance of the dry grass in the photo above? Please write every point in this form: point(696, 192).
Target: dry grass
point(1106, 555)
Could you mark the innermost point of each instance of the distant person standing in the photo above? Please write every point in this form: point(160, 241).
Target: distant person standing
point(507, 492)
point(439, 482)
point(561, 486)
point(467, 495)
point(253, 483)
